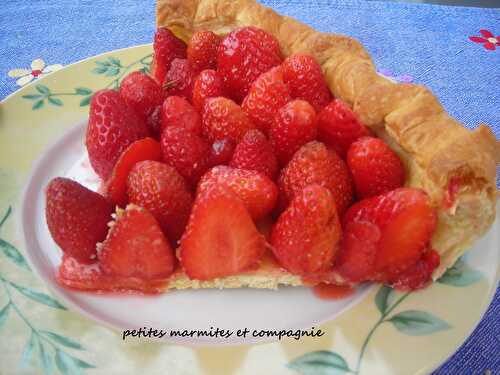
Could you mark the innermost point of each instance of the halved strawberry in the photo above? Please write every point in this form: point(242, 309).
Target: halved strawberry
point(143, 149)
point(177, 111)
point(221, 238)
point(167, 47)
point(419, 275)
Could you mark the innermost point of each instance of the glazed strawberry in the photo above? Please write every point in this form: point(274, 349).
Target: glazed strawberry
point(221, 152)
point(244, 54)
point(202, 50)
point(223, 118)
point(266, 96)
point(167, 47)
point(258, 192)
point(293, 126)
point(419, 275)
point(116, 186)
point(314, 163)
point(386, 235)
point(221, 238)
point(254, 152)
point(304, 77)
point(208, 84)
point(77, 218)
point(179, 79)
point(161, 190)
point(177, 111)
point(136, 247)
point(141, 93)
point(112, 127)
point(186, 152)
point(375, 168)
point(338, 127)
point(306, 235)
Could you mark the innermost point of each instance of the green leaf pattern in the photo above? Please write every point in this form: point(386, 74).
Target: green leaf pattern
point(320, 362)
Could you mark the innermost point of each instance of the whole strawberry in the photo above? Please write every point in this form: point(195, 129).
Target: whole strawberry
point(375, 168)
point(178, 112)
point(266, 96)
point(112, 127)
point(208, 84)
point(77, 218)
point(167, 47)
point(304, 77)
point(179, 79)
point(244, 54)
point(202, 50)
point(314, 163)
point(294, 125)
point(254, 152)
point(221, 152)
point(338, 127)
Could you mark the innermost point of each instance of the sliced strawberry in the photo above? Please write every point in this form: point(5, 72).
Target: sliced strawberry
point(136, 247)
point(116, 186)
point(177, 111)
point(208, 84)
point(306, 235)
point(419, 275)
point(167, 47)
point(257, 191)
point(77, 218)
point(202, 50)
point(179, 79)
point(221, 238)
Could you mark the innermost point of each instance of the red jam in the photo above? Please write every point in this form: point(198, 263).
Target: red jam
point(332, 292)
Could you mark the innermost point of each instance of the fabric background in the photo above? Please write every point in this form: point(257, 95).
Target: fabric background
point(428, 43)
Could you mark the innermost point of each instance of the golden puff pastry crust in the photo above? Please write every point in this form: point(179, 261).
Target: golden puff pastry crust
point(435, 148)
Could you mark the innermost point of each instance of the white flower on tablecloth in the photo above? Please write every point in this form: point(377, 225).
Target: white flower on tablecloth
point(38, 69)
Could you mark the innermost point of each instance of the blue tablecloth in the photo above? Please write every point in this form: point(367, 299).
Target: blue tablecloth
point(412, 42)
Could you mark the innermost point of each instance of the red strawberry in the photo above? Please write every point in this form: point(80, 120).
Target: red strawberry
point(314, 163)
point(419, 275)
point(267, 94)
point(258, 193)
point(386, 235)
point(202, 50)
point(304, 77)
point(153, 122)
point(116, 186)
point(223, 118)
point(221, 152)
point(167, 47)
point(141, 93)
point(221, 238)
point(294, 125)
point(112, 127)
point(162, 191)
point(208, 84)
point(244, 54)
point(306, 235)
point(77, 218)
point(179, 79)
point(177, 111)
point(254, 152)
point(375, 168)
point(186, 152)
point(338, 127)
point(136, 247)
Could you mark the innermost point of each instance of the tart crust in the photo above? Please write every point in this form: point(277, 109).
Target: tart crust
point(435, 148)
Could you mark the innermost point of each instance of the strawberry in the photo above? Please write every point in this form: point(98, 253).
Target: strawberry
point(208, 84)
point(161, 190)
point(223, 118)
point(314, 163)
point(141, 93)
point(338, 127)
point(153, 122)
point(112, 127)
point(267, 94)
point(167, 47)
point(221, 152)
point(419, 275)
point(202, 50)
point(375, 168)
point(177, 111)
point(293, 126)
point(116, 186)
point(136, 247)
point(244, 54)
point(179, 79)
point(304, 239)
point(258, 193)
point(221, 238)
point(186, 152)
point(304, 77)
point(386, 235)
point(254, 152)
point(77, 218)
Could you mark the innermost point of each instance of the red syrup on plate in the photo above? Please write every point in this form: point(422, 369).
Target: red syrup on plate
point(332, 292)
